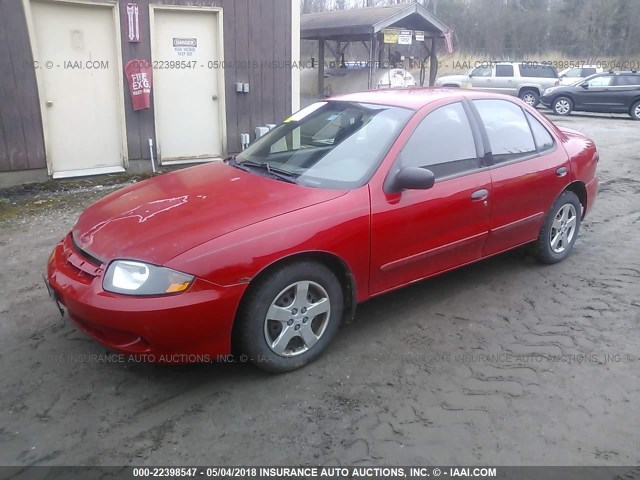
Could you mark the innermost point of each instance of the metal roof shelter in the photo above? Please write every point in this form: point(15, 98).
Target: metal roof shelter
point(367, 25)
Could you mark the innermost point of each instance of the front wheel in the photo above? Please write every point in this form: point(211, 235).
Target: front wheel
point(635, 111)
point(562, 106)
point(290, 316)
point(560, 229)
point(530, 97)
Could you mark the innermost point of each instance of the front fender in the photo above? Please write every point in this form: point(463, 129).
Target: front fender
point(340, 227)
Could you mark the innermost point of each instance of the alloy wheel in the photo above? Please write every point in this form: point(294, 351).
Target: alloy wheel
point(562, 106)
point(297, 318)
point(563, 228)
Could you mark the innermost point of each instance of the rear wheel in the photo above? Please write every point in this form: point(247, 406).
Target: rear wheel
point(560, 229)
point(635, 111)
point(290, 316)
point(562, 106)
point(530, 97)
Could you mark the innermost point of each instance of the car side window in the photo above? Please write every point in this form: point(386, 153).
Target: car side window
point(443, 143)
point(542, 137)
point(603, 81)
point(628, 80)
point(538, 71)
point(504, 70)
point(509, 134)
point(481, 72)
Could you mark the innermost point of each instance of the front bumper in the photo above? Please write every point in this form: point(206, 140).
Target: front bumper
point(191, 326)
point(546, 100)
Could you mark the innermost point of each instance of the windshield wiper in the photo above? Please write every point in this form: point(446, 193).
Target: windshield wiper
point(264, 166)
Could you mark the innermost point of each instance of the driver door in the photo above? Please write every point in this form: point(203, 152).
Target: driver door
point(597, 95)
point(419, 233)
point(481, 78)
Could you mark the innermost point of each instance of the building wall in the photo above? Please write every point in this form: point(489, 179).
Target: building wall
point(21, 138)
point(254, 31)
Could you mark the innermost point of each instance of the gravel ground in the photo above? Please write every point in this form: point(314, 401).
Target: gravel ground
point(506, 362)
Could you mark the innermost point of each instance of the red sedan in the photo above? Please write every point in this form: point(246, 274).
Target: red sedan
point(347, 199)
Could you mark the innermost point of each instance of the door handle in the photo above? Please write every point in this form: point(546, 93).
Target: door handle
point(561, 172)
point(480, 194)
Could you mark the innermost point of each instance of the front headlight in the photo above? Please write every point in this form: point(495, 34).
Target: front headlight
point(136, 278)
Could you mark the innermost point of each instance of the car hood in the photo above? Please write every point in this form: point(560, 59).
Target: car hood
point(160, 218)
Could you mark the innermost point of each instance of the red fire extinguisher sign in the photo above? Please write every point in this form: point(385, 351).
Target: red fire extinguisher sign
point(139, 76)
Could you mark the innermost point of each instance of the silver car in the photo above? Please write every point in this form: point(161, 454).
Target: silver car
point(526, 80)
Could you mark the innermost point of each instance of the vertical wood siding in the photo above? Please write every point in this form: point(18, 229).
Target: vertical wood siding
point(21, 137)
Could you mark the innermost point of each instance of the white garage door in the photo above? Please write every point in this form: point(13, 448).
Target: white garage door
point(187, 94)
point(76, 55)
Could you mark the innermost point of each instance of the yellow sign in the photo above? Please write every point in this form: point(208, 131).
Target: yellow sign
point(390, 35)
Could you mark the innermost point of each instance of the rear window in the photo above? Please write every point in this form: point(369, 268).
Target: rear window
point(543, 139)
point(588, 71)
point(628, 80)
point(540, 71)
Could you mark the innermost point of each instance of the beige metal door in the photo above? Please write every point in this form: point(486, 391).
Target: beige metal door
point(187, 96)
point(75, 53)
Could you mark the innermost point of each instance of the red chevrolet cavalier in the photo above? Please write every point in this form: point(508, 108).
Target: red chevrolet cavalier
point(347, 199)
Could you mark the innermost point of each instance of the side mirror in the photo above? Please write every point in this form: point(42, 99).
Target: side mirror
point(413, 178)
point(584, 85)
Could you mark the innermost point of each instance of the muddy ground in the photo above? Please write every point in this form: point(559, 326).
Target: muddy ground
point(506, 362)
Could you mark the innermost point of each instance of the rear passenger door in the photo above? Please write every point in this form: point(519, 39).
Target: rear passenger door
point(505, 81)
point(625, 91)
point(528, 171)
point(594, 94)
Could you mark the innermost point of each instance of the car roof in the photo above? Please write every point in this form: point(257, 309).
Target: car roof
point(412, 97)
point(611, 72)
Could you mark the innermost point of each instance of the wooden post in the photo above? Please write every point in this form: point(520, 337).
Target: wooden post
point(372, 48)
point(321, 67)
point(433, 63)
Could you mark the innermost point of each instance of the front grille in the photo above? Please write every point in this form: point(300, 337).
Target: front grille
point(79, 260)
point(86, 255)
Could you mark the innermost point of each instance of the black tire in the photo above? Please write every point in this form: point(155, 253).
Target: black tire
point(562, 106)
point(543, 246)
point(252, 326)
point(635, 111)
point(530, 96)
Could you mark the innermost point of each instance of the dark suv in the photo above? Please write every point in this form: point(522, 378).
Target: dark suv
point(612, 92)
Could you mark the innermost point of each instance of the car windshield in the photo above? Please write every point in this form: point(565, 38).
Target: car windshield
point(333, 145)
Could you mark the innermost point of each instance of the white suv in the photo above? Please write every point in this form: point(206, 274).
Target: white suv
point(569, 76)
point(526, 80)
